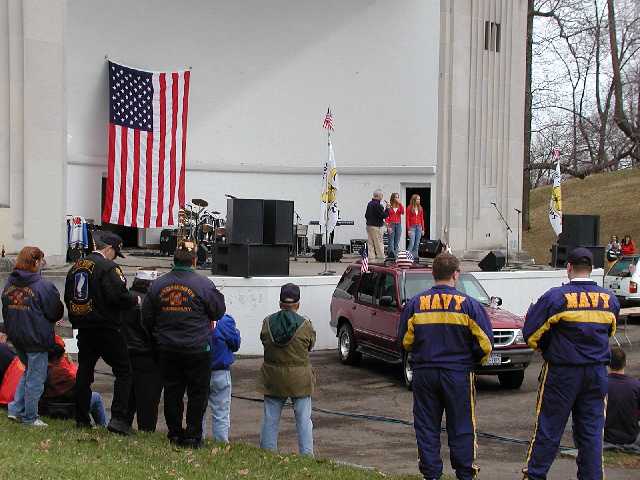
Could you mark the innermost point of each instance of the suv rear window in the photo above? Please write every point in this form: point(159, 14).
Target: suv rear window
point(622, 267)
point(348, 284)
point(418, 282)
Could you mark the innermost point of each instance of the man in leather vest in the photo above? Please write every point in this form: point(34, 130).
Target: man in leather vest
point(96, 294)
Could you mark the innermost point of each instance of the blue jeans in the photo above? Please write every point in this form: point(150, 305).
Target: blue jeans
point(30, 387)
point(415, 233)
point(220, 403)
point(96, 407)
point(395, 230)
point(271, 422)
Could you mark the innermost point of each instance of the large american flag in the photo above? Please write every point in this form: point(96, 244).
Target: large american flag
point(147, 146)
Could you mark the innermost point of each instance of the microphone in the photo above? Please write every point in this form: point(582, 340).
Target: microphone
point(230, 196)
point(519, 211)
point(493, 203)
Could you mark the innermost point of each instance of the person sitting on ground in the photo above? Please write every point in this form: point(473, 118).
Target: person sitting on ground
point(627, 246)
point(30, 307)
point(58, 399)
point(224, 341)
point(623, 404)
point(147, 381)
point(286, 371)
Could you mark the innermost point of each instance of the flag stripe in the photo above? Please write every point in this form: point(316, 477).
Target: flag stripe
point(161, 152)
point(116, 176)
point(149, 180)
point(174, 126)
point(108, 201)
point(136, 178)
point(185, 109)
point(123, 174)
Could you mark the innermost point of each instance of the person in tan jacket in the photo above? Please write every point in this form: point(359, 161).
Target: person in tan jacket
point(286, 371)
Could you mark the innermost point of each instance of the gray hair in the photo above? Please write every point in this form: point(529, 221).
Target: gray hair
point(378, 193)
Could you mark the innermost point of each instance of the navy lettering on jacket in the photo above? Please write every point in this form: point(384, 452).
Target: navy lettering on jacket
point(571, 324)
point(443, 327)
point(30, 307)
point(179, 309)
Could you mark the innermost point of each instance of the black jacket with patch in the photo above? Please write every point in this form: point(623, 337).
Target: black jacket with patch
point(96, 293)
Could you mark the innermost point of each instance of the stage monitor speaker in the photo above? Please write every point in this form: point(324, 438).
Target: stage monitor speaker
point(559, 255)
point(168, 241)
point(580, 230)
point(245, 219)
point(334, 252)
point(278, 219)
point(430, 248)
point(598, 252)
point(493, 262)
point(251, 260)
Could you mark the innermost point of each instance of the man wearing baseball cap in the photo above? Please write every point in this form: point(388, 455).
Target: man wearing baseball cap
point(571, 326)
point(96, 294)
point(286, 372)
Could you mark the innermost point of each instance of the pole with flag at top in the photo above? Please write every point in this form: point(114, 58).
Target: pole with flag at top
point(329, 207)
point(555, 203)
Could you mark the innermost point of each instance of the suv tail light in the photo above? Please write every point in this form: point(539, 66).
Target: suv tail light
point(633, 287)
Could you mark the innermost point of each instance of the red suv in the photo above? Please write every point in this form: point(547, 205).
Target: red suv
point(365, 315)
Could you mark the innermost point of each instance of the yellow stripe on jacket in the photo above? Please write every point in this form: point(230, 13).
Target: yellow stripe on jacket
point(574, 316)
point(447, 318)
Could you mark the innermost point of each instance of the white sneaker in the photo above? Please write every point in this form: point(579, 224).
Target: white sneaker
point(37, 423)
point(13, 418)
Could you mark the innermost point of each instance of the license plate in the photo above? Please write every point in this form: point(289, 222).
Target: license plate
point(614, 286)
point(495, 359)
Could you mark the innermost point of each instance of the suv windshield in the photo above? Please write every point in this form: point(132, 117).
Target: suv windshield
point(420, 281)
point(622, 268)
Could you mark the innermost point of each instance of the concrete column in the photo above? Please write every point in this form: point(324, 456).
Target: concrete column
point(44, 125)
point(4, 106)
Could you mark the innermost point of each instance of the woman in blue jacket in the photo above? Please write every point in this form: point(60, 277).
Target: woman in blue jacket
point(30, 307)
point(224, 340)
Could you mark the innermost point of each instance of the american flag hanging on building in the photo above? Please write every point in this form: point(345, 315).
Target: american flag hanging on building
point(328, 120)
point(147, 143)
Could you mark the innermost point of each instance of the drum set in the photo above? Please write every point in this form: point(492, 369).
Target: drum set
point(203, 227)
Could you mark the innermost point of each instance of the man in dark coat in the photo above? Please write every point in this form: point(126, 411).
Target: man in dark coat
point(375, 215)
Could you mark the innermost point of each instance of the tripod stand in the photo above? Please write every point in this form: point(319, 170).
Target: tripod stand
point(506, 224)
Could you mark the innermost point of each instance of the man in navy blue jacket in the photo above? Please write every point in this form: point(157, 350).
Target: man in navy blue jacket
point(223, 341)
point(447, 332)
point(571, 326)
point(178, 310)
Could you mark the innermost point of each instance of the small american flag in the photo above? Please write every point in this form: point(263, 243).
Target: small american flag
point(328, 120)
point(147, 146)
point(364, 255)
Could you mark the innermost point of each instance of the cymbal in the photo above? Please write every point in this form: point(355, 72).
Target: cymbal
point(200, 202)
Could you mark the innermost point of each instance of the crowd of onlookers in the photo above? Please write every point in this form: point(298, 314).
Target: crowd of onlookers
point(167, 335)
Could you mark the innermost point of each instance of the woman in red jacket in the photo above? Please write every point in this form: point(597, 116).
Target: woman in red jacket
point(415, 224)
point(627, 246)
point(394, 224)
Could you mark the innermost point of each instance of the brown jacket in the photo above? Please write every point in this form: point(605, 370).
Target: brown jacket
point(286, 370)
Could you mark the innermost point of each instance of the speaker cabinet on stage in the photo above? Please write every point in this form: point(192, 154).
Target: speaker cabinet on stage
point(493, 262)
point(559, 255)
point(251, 260)
point(278, 219)
point(168, 241)
point(430, 248)
point(583, 230)
point(245, 220)
point(334, 252)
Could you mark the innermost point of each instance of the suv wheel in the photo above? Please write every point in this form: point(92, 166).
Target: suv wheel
point(347, 346)
point(511, 380)
point(407, 372)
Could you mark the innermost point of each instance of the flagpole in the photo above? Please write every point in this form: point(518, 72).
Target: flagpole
point(326, 270)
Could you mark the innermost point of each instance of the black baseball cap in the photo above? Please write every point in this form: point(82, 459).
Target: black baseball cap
point(580, 256)
point(290, 293)
point(111, 239)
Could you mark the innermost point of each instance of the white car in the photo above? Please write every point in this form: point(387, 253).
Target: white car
point(624, 280)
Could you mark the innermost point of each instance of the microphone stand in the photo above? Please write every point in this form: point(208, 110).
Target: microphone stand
point(295, 237)
point(506, 224)
point(519, 228)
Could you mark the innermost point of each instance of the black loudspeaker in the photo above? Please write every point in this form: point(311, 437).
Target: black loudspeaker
point(581, 230)
point(598, 255)
point(334, 252)
point(430, 248)
point(168, 241)
point(278, 219)
point(245, 218)
point(251, 260)
point(493, 262)
point(559, 255)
